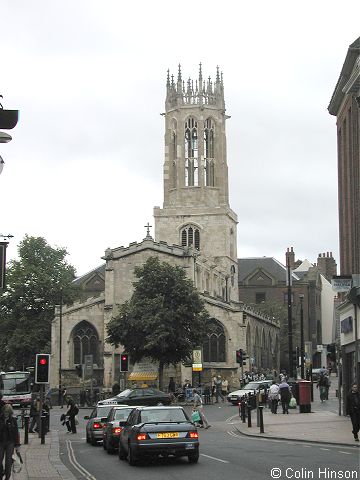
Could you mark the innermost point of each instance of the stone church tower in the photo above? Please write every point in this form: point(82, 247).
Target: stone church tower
point(195, 230)
point(196, 211)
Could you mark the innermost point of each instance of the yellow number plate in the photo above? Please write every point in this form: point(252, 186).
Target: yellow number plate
point(168, 435)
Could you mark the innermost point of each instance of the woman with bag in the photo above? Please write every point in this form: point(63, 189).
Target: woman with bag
point(198, 406)
point(71, 413)
point(9, 440)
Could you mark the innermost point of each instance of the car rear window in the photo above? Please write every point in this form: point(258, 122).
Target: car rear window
point(103, 411)
point(163, 415)
point(122, 414)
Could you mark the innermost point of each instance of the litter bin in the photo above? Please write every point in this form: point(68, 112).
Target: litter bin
point(304, 396)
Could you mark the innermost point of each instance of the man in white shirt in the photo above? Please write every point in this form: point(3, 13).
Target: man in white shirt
point(274, 396)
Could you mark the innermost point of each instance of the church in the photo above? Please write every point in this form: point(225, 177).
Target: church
point(195, 229)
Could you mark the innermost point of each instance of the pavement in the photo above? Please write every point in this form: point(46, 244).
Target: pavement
point(323, 425)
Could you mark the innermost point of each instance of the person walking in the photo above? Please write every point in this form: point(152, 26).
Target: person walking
point(218, 389)
point(353, 409)
point(323, 385)
point(274, 396)
point(63, 396)
point(224, 387)
point(71, 413)
point(285, 395)
point(198, 406)
point(9, 440)
point(34, 415)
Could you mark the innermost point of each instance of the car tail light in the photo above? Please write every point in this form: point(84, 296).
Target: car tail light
point(96, 426)
point(193, 435)
point(142, 436)
point(116, 430)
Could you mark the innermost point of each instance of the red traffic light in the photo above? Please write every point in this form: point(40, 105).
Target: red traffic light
point(124, 357)
point(43, 361)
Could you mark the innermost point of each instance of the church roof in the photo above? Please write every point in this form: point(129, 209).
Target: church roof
point(86, 276)
point(276, 269)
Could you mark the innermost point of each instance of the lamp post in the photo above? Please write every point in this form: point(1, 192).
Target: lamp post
point(289, 301)
point(302, 344)
point(60, 348)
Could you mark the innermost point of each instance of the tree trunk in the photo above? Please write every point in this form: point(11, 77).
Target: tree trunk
point(161, 375)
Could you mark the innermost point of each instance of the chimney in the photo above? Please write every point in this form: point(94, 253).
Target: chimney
point(290, 258)
point(327, 265)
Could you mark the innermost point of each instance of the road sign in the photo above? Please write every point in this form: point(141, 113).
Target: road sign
point(197, 367)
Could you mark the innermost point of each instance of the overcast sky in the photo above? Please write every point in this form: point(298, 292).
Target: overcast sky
point(84, 168)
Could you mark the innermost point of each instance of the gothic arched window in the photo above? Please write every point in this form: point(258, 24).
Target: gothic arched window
point(214, 342)
point(85, 342)
point(209, 153)
point(190, 237)
point(191, 153)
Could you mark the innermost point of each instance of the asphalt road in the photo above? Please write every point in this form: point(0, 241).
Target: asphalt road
point(224, 454)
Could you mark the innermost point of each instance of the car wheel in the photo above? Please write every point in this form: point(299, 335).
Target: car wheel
point(104, 444)
point(87, 438)
point(193, 457)
point(131, 457)
point(93, 441)
point(122, 452)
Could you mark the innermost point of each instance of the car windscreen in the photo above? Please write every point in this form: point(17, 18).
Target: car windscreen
point(251, 386)
point(163, 415)
point(125, 393)
point(122, 414)
point(103, 411)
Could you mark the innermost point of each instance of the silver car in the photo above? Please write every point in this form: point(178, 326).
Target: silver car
point(113, 426)
point(96, 420)
point(250, 388)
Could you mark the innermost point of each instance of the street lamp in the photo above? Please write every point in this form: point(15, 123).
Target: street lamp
point(302, 344)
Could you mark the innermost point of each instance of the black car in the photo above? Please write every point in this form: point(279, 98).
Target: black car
point(158, 431)
point(139, 396)
point(114, 424)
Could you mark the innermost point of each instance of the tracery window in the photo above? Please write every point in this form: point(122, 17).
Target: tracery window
point(209, 153)
point(214, 342)
point(191, 153)
point(190, 237)
point(85, 342)
point(173, 155)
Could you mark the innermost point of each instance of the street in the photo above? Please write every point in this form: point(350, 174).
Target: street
point(224, 453)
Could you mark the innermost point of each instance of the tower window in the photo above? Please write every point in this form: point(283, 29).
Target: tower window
point(190, 237)
point(209, 153)
point(191, 153)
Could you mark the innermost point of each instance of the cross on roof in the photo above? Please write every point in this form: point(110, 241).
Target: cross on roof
point(148, 226)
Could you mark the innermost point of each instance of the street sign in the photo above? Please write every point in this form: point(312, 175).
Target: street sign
point(197, 367)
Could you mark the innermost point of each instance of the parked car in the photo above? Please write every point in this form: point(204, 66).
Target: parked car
point(250, 388)
point(155, 431)
point(139, 396)
point(115, 421)
point(95, 423)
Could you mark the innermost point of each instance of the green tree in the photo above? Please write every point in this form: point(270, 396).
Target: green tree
point(164, 319)
point(34, 285)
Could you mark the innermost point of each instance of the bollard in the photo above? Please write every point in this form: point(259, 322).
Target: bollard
point(261, 417)
point(26, 432)
point(42, 429)
point(249, 414)
point(243, 411)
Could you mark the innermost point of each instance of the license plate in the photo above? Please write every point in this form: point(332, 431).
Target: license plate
point(168, 435)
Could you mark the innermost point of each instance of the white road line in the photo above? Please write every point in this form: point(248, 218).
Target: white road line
point(325, 449)
point(214, 458)
point(345, 453)
point(76, 464)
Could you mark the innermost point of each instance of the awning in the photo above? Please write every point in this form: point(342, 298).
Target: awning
point(141, 376)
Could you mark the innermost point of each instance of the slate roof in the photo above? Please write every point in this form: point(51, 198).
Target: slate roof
point(276, 269)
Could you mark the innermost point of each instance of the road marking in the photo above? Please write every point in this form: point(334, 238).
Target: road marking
point(76, 464)
point(345, 453)
point(325, 449)
point(214, 458)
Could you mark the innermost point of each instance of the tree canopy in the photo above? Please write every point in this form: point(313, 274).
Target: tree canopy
point(164, 319)
point(35, 283)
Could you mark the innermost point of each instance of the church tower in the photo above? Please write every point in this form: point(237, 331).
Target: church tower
point(196, 211)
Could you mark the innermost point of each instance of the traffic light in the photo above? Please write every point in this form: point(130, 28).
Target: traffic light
point(42, 368)
point(244, 357)
point(124, 362)
point(239, 356)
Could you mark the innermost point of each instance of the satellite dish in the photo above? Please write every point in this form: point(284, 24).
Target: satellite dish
point(5, 137)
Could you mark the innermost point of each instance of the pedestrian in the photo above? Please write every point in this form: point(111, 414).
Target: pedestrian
point(213, 385)
point(285, 395)
point(72, 411)
point(48, 397)
point(274, 396)
point(323, 385)
point(224, 387)
point(218, 389)
point(34, 414)
point(172, 386)
point(198, 406)
point(9, 440)
point(63, 396)
point(2, 403)
point(353, 409)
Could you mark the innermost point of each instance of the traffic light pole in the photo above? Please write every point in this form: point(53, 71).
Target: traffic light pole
point(289, 300)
